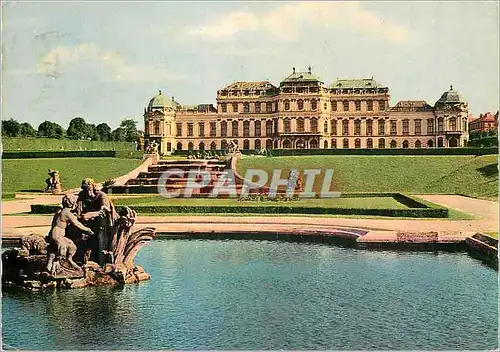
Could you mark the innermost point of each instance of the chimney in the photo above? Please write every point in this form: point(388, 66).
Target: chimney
point(294, 70)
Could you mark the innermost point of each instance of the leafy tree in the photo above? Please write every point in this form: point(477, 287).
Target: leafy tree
point(50, 130)
point(130, 127)
point(10, 128)
point(104, 131)
point(26, 130)
point(77, 129)
point(120, 134)
point(91, 132)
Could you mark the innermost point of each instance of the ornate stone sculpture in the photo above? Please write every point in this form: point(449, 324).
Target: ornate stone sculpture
point(233, 148)
point(107, 236)
point(53, 182)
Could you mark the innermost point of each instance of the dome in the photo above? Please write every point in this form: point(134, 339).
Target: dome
point(162, 101)
point(449, 97)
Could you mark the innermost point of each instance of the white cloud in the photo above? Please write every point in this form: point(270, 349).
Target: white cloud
point(287, 21)
point(63, 58)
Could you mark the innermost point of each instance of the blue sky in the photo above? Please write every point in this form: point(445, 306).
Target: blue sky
point(103, 61)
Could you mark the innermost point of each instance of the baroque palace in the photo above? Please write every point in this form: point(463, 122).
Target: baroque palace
point(304, 113)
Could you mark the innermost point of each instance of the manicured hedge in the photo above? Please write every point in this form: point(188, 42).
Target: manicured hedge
point(72, 154)
point(52, 144)
point(484, 142)
point(390, 151)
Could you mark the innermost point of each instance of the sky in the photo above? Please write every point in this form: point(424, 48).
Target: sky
point(104, 61)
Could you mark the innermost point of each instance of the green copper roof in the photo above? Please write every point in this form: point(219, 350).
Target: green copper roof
point(356, 83)
point(449, 97)
point(162, 101)
point(306, 76)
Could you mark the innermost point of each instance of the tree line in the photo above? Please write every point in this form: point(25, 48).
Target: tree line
point(78, 129)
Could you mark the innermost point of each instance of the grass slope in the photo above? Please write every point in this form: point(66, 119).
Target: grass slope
point(469, 175)
point(30, 174)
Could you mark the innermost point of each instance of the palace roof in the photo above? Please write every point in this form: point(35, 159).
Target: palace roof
point(356, 84)
point(449, 97)
point(249, 85)
point(412, 105)
point(162, 101)
point(302, 76)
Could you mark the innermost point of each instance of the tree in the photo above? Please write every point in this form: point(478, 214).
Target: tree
point(120, 134)
point(91, 132)
point(27, 130)
point(11, 128)
point(104, 131)
point(50, 130)
point(77, 129)
point(130, 127)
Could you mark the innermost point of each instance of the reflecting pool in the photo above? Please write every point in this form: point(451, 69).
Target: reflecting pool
point(269, 295)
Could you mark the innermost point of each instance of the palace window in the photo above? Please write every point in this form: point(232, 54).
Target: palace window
point(357, 103)
point(418, 127)
point(179, 146)
point(190, 146)
point(314, 125)
point(257, 129)
point(269, 107)
point(345, 127)
point(453, 124)
point(269, 128)
point(190, 129)
point(406, 127)
point(440, 124)
point(345, 143)
point(287, 104)
point(381, 143)
point(381, 105)
point(257, 144)
point(235, 107)
point(246, 144)
point(430, 126)
point(201, 146)
point(201, 129)
point(300, 124)
point(246, 107)
point(257, 107)
point(381, 127)
point(393, 144)
point(418, 144)
point(179, 129)
point(346, 105)
point(393, 128)
point(405, 144)
point(325, 127)
point(334, 105)
point(234, 128)
point(369, 105)
point(213, 146)
point(334, 143)
point(223, 129)
point(314, 104)
point(223, 144)
point(357, 143)
point(300, 104)
point(213, 129)
point(157, 127)
point(286, 125)
point(440, 142)
point(357, 127)
point(246, 129)
point(369, 127)
point(223, 107)
point(369, 143)
point(334, 127)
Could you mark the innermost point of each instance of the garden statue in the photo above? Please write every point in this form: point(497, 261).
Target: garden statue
point(87, 224)
point(294, 182)
point(53, 182)
point(233, 148)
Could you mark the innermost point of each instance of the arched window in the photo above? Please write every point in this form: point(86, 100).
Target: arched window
point(300, 124)
point(179, 146)
point(190, 146)
point(393, 144)
point(357, 143)
point(334, 127)
point(313, 144)
point(453, 124)
point(369, 143)
point(314, 125)
point(325, 127)
point(287, 104)
point(257, 127)
point(213, 145)
point(257, 144)
point(405, 144)
point(157, 127)
point(223, 129)
point(201, 146)
point(345, 143)
point(325, 144)
point(418, 144)
point(381, 143)
point(345, 127)
point(314, 104)
point(269, 128)
point(440, 142)
point(234, 129)
point(286, 125)
point(300, 104)
point(334, 143)
point(381, 127)
point(430, 143)
point(269, 143)
point(223, 144)
point(246, 128)
point(287, 144)
point(223, 107)
point(452, 142)
point(246, 144)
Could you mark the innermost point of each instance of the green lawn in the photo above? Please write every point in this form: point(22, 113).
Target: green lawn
point(373, 203)
point(469, 175)
point(30, 174)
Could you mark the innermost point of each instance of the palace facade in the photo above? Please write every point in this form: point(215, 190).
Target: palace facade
point(305, 113)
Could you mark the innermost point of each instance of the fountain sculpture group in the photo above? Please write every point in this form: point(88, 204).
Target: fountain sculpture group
point(89, 244)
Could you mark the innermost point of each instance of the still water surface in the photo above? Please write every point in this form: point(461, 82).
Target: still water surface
point(269, 295)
